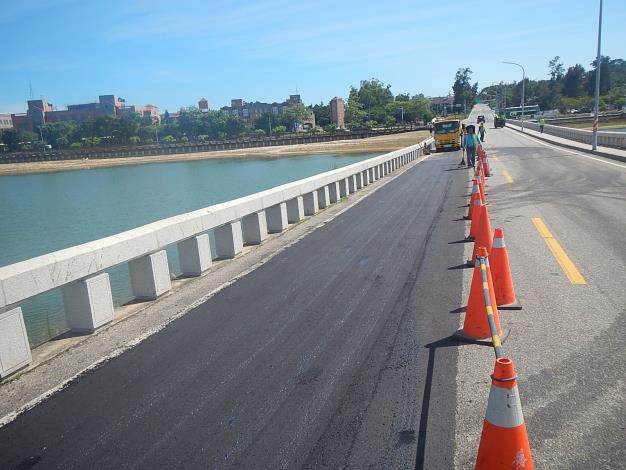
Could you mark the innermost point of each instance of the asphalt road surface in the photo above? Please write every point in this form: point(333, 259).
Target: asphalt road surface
point(319, 358)
point(336, 353)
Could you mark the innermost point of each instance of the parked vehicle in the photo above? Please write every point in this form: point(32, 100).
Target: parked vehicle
point(447, 133)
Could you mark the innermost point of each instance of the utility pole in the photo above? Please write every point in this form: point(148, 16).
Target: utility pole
point(594, 138)
point(523, 83)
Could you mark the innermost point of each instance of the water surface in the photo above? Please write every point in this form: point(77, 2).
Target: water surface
point(40, 213)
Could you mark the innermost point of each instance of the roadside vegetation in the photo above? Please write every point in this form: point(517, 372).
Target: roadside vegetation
point(567, 90)
point(370, 105)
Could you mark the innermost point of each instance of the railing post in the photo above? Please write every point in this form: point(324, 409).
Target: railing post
point(366, 177)
point(352, 185)
point(150, 275)
point(228, 240)
point(323, 197)
point(88, 303)
point(254, 228)
point(333, 192)
point(194, 255)
point(277, 219)
point(295, 210)
point(344, 189)
point(14, 346)
point(310, 203)
point(359, 180)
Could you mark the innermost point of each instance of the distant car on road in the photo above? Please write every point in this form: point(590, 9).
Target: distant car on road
point(581, 110)
point(498, 121)
point(481, 118)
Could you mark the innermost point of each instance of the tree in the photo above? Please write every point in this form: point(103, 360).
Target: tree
point(322, 114)
point(574, 81)
point(296, 114)
point(556, 69)
point(354, 113)
point(12, 138)
point(464, 92)
point(605, 76)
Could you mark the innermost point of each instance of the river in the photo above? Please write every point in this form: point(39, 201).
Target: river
point(44, 212)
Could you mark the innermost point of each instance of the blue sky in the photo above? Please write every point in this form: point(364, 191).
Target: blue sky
point(171, 53)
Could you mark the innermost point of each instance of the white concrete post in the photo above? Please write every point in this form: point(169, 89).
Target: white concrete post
point(381, 170)
point(14, 346)
point(366, 177)
point(88, 302)
point(254, 227)
point(392, 165)
point(333, 192)
point(194, 255)
point(372, 174)
point(150, 275)
point(310, 203)
point(323, 197)
point(352, 184)
point(343, 188)
point(359, 180)
point(277, 220)
point(228, 240)
point(295, 210)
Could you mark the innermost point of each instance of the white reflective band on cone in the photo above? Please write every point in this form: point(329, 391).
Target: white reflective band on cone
point(475, 188)
point(498, 243)
point(477, 202)
point(504, 408)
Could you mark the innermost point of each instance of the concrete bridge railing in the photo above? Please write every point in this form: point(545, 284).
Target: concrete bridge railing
point(605, 138)
point(80, 271)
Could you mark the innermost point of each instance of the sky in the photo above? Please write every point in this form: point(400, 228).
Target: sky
point(172, 53)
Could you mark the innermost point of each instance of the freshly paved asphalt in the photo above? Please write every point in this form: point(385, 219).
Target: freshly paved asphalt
point(332, 354)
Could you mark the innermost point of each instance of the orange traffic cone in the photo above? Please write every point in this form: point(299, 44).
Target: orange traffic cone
point(504, 440)
point(501, 272)
point(478, 208)
point(474, 197)
point(485, 164)
point(482, 236)
point(476, 323)
point(481, 185)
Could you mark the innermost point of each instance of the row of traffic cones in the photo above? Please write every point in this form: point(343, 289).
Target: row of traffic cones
point(504, 440)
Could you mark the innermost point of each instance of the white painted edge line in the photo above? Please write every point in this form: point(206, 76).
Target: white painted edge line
point(8, 418)
point(564, 149)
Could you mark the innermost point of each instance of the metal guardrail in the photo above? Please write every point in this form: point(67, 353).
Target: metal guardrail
point(605, 138)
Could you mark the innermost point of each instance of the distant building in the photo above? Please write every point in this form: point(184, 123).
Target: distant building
point(5, 121)
point(40, 111)
point(442, 104)
point(337, 112)
point(203, 105)
point(250, 112)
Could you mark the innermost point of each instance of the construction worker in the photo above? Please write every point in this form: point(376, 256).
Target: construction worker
point(462, 136)
point(542, 123)
point(481, 131)
point(472, 142)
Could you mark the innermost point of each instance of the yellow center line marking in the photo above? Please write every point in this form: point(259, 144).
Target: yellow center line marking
point(495, 158)
point(507, 176)
point(559, 254)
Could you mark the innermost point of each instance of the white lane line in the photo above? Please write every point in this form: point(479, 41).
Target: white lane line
point(563, 149)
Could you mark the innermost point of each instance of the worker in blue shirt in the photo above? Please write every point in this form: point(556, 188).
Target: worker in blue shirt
point(472, 142)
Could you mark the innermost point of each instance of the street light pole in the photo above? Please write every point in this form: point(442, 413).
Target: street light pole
point(523, 82)
point(594, 138)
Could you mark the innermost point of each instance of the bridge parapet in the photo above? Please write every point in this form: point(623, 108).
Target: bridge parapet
point(80, 271)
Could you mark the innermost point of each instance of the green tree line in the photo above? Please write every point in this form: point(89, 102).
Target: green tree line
point(566, 89)
point(372, 104)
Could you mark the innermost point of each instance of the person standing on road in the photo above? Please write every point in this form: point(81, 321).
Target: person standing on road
point(462, 135)
point(471, 144)
point(481, 131)
point(542, 123)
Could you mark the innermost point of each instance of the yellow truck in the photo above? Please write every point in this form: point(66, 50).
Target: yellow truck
point(447, 133)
